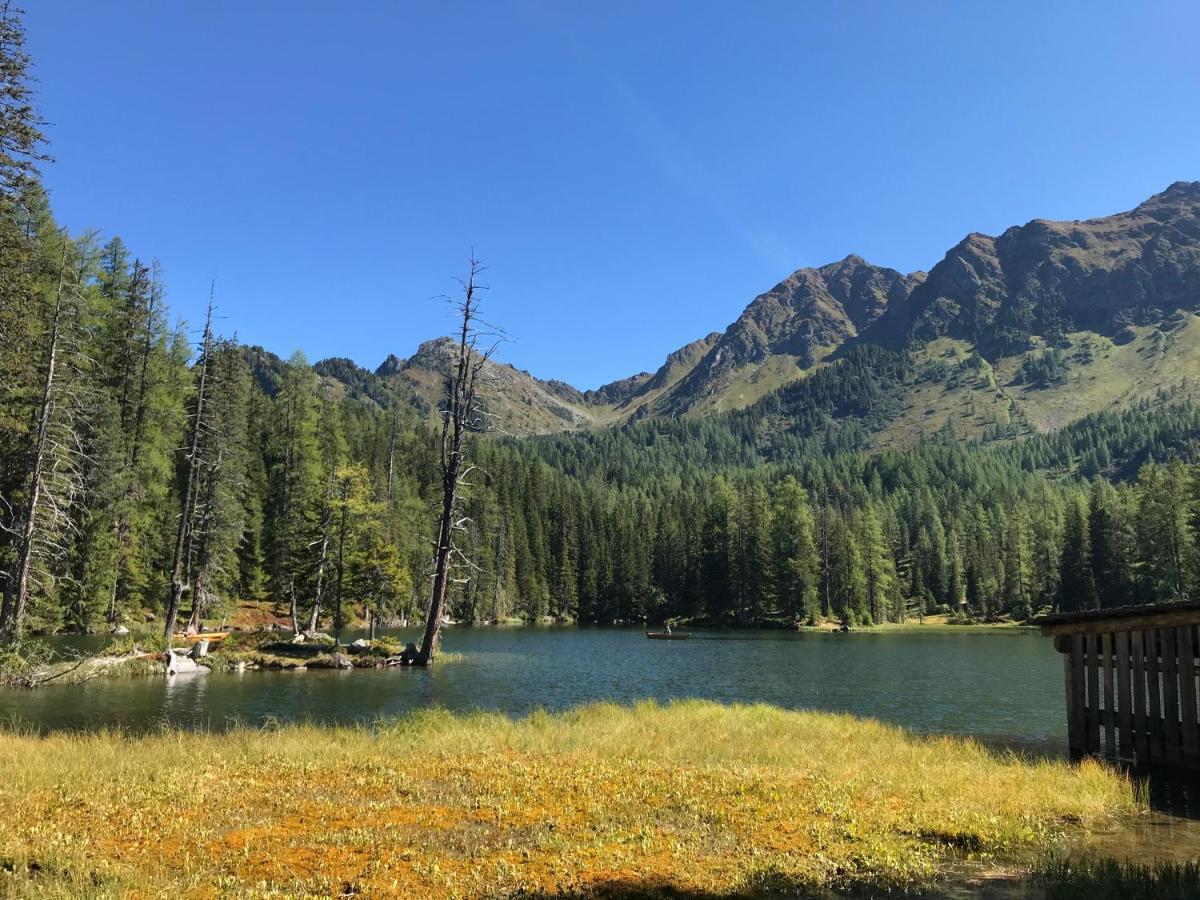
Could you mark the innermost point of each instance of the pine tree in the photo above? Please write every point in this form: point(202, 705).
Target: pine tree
point(1078, 590)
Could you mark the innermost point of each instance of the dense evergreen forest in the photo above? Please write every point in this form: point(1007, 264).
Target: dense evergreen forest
point(156, 469)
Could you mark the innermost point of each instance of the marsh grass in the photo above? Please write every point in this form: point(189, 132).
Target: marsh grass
point(692, 798)
point(1110, 879)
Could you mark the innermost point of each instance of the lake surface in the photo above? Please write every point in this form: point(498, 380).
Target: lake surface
point(1003, 687)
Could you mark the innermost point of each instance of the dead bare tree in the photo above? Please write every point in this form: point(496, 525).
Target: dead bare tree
point(180, 575)
point(462, 415)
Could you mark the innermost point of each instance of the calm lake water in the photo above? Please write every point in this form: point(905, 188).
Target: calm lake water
point(1003, 687)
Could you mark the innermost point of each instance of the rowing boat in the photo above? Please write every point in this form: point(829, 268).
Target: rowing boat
point(668, 635)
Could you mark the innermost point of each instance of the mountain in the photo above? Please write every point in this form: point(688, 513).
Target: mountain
point(518, 402)
point(1046, 323)
point(788, 330)
point(1051, 278)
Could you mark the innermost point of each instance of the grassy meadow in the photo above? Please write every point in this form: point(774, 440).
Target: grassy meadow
point(690, 798)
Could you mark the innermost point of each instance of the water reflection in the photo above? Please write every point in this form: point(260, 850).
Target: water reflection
point(1004, 689)
point(184, 697)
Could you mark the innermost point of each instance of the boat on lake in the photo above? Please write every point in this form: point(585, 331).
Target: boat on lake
point(668, 635)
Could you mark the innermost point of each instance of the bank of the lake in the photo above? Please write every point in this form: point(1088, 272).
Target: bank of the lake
point(691, 796)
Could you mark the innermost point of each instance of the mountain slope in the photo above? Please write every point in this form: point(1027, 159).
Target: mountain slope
point(1030, 330)
point(794, 325)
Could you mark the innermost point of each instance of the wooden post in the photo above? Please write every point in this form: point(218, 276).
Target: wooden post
point(1187, 691)
point(1124, 718)
point(1110, 718)
point(1141, 735)
point(1092, 705)
point(1076, 724)
point(1154, 682)
point(1170, 669)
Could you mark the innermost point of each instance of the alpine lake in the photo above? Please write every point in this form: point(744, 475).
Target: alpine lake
point(1002, 687)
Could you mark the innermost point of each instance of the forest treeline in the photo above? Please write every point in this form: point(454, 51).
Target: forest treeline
point(155, 469)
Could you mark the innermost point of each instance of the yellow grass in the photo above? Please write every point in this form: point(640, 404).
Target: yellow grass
point(692, 797)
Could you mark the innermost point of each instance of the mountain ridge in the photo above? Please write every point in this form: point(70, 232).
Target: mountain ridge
point(1003, 297)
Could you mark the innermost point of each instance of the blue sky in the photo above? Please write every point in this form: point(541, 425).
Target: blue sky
point(632, 173)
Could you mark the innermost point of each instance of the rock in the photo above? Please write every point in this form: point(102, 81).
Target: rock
point(120, 631)
point(298, 638)
point(199, 649)
point(342, 661)
point(318, 636)
point(179, 663)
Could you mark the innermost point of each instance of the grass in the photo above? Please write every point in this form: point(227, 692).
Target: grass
point(689, 798)
point(1108, 879)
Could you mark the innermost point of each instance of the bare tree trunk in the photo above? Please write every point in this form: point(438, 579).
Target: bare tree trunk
point(458, 419)
point(292, 594)
point(314, 618)
point(391, 463)
point(13, 612)
point(178, 563)
point(338, 611)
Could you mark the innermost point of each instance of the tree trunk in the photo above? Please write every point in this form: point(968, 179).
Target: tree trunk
point(314, 618)
point(178, 576)
point(457, 421)
point(13, 612)
point(441, 567)
point(292, 594)
point(338, 611)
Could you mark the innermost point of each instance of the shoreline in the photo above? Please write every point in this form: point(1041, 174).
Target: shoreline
point(664, 799)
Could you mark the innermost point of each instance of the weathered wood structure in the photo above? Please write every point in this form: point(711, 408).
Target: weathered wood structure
point(1131, 682)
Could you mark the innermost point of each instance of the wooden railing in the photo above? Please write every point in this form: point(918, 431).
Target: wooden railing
point(1131, 680)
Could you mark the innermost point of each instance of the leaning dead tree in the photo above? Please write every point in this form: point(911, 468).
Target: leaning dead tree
point(462, 415)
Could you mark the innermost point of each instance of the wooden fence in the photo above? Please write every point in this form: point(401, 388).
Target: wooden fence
point(1131, 682)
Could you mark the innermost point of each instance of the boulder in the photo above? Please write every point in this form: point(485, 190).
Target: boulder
point(179, 663)
point(120, 631)
point(342, 661)
point(298, 638)
point(199, 649)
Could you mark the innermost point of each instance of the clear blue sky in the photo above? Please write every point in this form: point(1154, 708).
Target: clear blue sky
point(632, 172)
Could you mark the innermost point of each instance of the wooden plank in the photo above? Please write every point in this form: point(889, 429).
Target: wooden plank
point(1106, 670)
point(1092, 725)
point(1124, 697)
point(1154, 694)
point(1141, 725)
point(1166, 619)
point(1076, 697)
point(1187, 693)
point(1172, 743)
